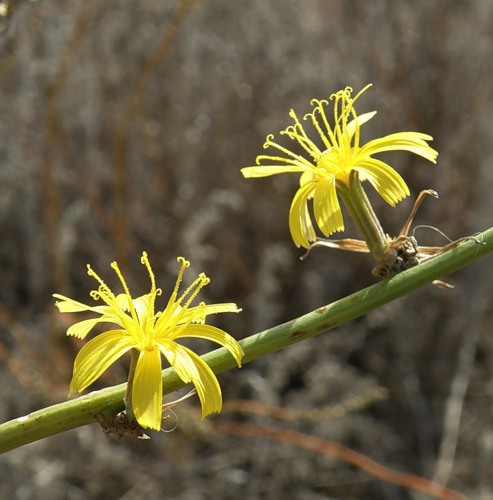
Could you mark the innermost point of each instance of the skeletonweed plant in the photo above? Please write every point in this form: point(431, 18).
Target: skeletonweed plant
point(334, 165)
point(149, 335)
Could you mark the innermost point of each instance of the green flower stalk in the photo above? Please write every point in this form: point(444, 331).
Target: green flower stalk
point(109, 401)
point(337, 167)
point(149, 334)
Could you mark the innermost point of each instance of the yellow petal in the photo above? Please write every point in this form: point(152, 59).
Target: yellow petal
point(198, 314)
point(177, 356)
point(300, 223)
point(207, 386)
point(360, 120)
point(143, 308)
point(97, 356)
point(307, 177)
point(388, 183)
point(326, 207)
point(82, 328)
point(66, 305)
point(267, 170)
point(122, 301)
point(214, 334)
point(170, 316)
point(147, 391)
point(414, 142)
point(226, 307)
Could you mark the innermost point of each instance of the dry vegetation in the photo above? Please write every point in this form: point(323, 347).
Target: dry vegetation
point(123, 126)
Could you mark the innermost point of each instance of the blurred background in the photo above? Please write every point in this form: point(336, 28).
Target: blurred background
point(123, 128)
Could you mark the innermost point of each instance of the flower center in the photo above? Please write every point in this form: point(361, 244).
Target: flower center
point(332, 163)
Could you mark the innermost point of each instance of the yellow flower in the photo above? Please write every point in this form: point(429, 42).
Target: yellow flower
point(328, 168)
point(151, 333)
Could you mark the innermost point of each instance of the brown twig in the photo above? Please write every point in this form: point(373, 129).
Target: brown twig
point(343, 453)
point(354, 403)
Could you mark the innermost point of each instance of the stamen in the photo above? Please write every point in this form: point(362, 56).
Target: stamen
point(356, 135)
point(199, 283)
point(198, 316)
point(319, 103)
point(297, 160)
point(355, 115)
point(323, 115)
point(298, 127)
point(173, 308)
point(115, 267)
point(287, 152)
point(103, 292)
point(338, 116)
point(183, 265)
point(268, 141)
point(92, 274)
point(145, 260)
point(364, 89)
point(309, 146)
point(153, 293)
point(297, 133)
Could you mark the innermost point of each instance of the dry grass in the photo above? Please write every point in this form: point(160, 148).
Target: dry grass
point(123, 126)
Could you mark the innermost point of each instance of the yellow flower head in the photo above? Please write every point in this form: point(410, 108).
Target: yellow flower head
point(327, 168)
point(152, 333)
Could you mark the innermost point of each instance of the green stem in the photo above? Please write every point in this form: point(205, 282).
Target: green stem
point(130, 383)
point(359, 208)
point(110, 401)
